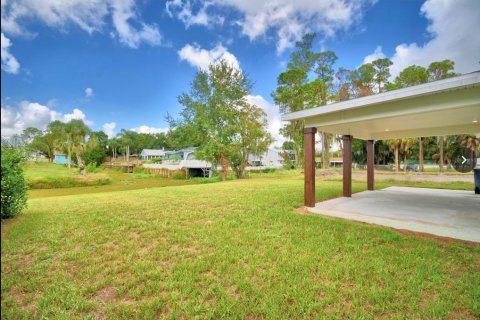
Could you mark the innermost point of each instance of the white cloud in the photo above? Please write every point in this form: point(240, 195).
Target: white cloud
point(202, 58)
point(289, 20)
point(149, 130)
point(9, 62)
point(273, 117)
point(77, 114)
point(453, 27)
point(109, 129)
point(184, 12)
point(33, 114)
point(88, 93)
point(91, 16)
point(377, 54)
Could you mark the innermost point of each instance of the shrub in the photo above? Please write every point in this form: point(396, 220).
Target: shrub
point(65, 182)
point(93, 168)
point(179, 174)
point(94, 156)
point(14, 189)
point(138, 170)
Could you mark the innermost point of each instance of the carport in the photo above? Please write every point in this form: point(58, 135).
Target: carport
point(445, 107)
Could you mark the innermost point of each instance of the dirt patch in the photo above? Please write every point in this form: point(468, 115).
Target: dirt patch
point(106, 294)
point(23, 299)
point(326, 173)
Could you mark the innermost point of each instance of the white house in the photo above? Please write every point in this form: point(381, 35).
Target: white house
point(149, 154)
point(183, 159)
point(271, 159)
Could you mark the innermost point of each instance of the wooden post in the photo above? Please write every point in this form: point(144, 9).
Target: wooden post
point(370, 168)
point(347, 165)
point(309, 166)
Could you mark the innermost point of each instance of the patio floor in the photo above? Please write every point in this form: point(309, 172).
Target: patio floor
point(446, 213)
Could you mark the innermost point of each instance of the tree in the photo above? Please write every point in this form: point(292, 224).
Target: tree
point(293, 92)
point(14, 188)
point(394, 145)
point(382, 72)
point(405, 147)
point(30, 133)
point(411, 76)
point(217, 109)
point(362, 80)
point(252, 138)
point(439, 70)
point(78, 131)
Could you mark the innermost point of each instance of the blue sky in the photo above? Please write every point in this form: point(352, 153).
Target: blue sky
point(121, 64)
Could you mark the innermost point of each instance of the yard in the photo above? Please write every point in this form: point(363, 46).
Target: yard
point(234, 249)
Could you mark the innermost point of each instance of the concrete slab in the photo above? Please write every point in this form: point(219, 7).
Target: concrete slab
point(446, 213)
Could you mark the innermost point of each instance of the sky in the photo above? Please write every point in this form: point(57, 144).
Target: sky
point(122, 63)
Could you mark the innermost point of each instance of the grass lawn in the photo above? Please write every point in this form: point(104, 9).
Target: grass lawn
point(43, 170)
point(226, 250)
point(49, 180)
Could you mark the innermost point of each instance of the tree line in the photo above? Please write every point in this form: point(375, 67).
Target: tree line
point(312, 81)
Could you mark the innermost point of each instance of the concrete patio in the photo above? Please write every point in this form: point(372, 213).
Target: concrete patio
point(446, 213)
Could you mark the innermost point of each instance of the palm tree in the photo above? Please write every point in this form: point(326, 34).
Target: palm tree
point(405, 146)
point(78, 132)
point(394, 145)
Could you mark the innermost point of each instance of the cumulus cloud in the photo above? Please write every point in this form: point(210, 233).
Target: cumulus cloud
point(185, 12)
point(377, 54)
point(202, 58)
point(33, 114)
point(9, 62)
point(91, 16)
point(149, 130)
point(453, 28)
point(88, 93)
point(273, 117)
point(109, 129)
point(289, 20)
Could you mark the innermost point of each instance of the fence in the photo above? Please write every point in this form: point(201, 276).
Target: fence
point(179, 173)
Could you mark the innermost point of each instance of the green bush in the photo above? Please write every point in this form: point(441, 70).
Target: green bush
point(93, 168)
point(138, 170)
point(65, 182)
point(94, 156)
point(14, 189)
point(119, 169)
point(179, 174)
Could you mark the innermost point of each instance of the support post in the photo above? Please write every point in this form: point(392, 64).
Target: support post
point(309, 166)
point(347, 165)
point(370, 168)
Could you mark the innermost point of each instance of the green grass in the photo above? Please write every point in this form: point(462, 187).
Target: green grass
point(45, 170)
point(49, 180)
point(225, 250)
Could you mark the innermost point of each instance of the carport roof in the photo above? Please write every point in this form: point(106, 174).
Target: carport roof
point(444, 107)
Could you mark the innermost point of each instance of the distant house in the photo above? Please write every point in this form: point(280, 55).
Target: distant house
point(334, 161)
point(60, 158)
point(272, 159)
point(183, 159)
point(149, 154)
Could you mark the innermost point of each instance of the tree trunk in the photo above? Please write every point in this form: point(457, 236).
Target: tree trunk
point(405, 162)
point(440, 144)
point(397, 159)
point(224, 165)
point(325, 151)
point(296, 153)
point(80, 163)
point(420, 155)
point(69, 159)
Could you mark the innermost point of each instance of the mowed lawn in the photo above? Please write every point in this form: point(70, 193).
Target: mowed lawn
point(234, 249)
